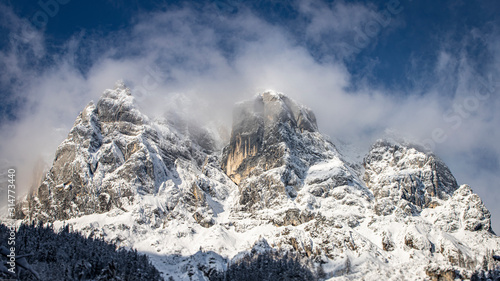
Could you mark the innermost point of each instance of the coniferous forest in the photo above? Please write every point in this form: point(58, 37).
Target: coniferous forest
point(268, 266)
point(66, 255)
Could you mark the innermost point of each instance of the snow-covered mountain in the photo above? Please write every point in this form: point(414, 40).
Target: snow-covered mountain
point(278, 186)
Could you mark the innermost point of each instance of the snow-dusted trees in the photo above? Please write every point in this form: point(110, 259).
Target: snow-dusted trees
point(70, 256)
point(269, 265)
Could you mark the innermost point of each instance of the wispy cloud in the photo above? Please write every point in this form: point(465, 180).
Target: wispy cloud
point(341, 30)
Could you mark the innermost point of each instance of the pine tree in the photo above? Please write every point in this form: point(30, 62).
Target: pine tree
point(265, 266)
point(68, 255)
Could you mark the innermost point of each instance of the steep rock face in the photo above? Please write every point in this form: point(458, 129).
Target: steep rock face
point(405, 178)
point(114, 154)
point(273, 144)
point(265, 130)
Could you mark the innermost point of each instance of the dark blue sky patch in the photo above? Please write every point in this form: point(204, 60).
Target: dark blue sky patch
point(398, 57)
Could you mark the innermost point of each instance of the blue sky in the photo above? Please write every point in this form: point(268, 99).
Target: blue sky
point(413, 33)
point(424, 70)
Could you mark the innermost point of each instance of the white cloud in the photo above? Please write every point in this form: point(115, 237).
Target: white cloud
point(343, 29)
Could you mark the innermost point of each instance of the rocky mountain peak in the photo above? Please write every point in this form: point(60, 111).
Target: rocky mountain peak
point(407, 176)
point(112, 154)
point(273, 146)
point(118, 105)
point(162, 186)
point(265, 130)
point(279, 109)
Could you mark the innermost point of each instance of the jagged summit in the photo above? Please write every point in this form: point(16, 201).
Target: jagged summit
point(280, 109)
point(113, 154)
point(401, 172)
point(272, 125)
point(118, 105)
point(278, 186)
point(273, 148)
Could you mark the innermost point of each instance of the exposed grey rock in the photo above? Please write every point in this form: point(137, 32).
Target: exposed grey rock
point(437, 273)
point(387, 243)
point(475, 216)
point(293, 217)
point(273, 143)
point(405, 172)
point(266, 131)
point(465, 209)
point(113, 153)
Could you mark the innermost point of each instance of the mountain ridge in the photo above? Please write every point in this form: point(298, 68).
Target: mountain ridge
point(145, 184)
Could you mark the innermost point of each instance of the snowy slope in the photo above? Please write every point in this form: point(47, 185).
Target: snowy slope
point(163, 187)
